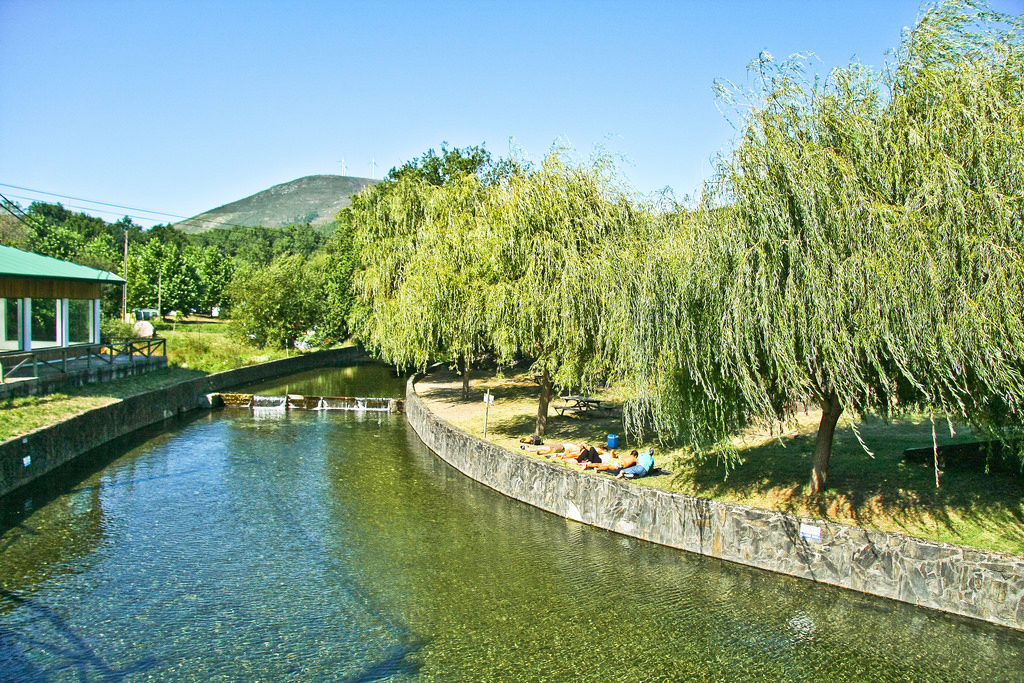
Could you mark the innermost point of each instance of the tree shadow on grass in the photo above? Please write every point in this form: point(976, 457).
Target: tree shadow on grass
point(445, 385)
point(871, 491)
point(560, 429)
point(32, 401)
point(882, 491)
point(450, 393)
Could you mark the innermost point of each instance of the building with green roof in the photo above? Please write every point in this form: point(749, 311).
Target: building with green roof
point(46, 302)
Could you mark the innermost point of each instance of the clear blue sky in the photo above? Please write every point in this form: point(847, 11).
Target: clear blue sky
point(180, 107)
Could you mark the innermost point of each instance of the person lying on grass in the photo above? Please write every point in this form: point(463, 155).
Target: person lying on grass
point(565, 451)
point(580, 452)
point(643, 464)
point(611, 463)
point(593, 455)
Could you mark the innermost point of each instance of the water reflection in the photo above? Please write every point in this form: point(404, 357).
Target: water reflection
point(51, 633)
point(314, 546)
point(366, 380)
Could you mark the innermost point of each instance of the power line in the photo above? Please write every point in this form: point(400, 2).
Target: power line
point(116, 214)
point(15, 210)
point(91, 209)
point(184, 220)
point(91, 201)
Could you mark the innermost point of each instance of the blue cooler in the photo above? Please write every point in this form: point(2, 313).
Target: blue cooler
point(613, 441)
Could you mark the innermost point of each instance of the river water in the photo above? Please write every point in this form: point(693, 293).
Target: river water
point(333, 545)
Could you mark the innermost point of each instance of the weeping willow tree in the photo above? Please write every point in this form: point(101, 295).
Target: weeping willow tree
point(386, 238)
point(418, 284)
point(421, 269)
point(953, 170)
point(550, 236)
point(861, 248)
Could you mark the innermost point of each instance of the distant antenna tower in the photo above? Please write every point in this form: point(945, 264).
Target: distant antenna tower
point(342, 162)
point(373, 167)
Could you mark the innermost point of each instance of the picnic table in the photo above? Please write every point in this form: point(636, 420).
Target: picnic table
point(579, 405)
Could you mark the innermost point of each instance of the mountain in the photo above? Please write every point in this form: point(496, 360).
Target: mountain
point(315, 199)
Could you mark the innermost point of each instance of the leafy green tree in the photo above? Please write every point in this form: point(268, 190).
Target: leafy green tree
point(47, 215)
point(165, 274)
point(144, 266)
point(260, 245)
point(339, 269)
point(59, 242)
point(514, 266)
point(548, 239)
point(421, 283)
point(857, 250)
point(14, 231)
point(298, 238)
point(181, 285)
point(214, 273)
point(439, 169)
point(277, 304)
point(413, 234)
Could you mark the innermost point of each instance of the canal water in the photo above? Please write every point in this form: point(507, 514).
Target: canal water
point(331, 545)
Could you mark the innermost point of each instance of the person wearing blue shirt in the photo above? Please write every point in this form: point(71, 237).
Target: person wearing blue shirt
point(644, 464)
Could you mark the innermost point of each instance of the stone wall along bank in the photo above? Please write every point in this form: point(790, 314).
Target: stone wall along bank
point(966, 581)
point(26, 458)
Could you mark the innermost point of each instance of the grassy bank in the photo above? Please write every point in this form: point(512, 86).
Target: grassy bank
point(22, 414)
point(194, 348)
point(880, 491)
point(206, 344)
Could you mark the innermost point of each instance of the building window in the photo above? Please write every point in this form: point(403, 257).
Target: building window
point(79, 321)
point(44, 323)
point(9, 321)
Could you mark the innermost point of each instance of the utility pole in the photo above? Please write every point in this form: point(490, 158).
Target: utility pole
point(124, 289)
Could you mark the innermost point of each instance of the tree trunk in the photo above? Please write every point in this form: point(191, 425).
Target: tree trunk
point(463, 364)
point(545, 399)
point(830, 412)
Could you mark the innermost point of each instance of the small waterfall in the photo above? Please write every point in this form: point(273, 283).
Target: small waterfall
point(355, 404)
point(335, 403)
point(378, 404)
point(276, 404)
point(269, 402)
point(269, 407)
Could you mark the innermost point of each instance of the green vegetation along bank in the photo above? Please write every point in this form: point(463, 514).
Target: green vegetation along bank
point(858, 251)
point(882, 491)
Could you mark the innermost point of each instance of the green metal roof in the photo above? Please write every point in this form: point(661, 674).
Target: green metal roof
point(18, 263)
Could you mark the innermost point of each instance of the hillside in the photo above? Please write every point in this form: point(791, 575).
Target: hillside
point(313, 199)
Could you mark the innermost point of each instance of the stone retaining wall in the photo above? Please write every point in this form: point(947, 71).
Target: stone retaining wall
point(974, 583)
point(26, 458)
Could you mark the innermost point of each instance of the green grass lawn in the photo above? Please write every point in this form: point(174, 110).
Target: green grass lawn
point(194, 348)
point(207, 344)
point(22, 414)
point(881, 491)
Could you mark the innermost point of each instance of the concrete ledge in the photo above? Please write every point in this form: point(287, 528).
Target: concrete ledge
point(967, 581)
point(24, 459)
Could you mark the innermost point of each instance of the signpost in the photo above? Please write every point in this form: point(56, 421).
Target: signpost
point(488, 400)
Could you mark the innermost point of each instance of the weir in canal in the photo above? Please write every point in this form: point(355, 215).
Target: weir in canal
point(332, 545)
